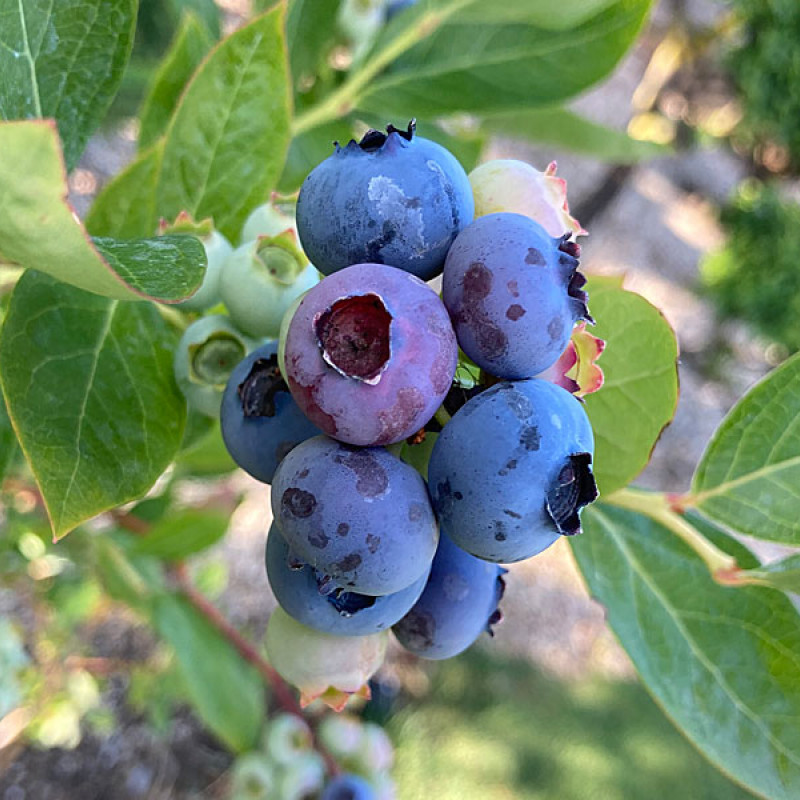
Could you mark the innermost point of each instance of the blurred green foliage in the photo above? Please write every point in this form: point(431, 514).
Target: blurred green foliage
point(766, 69)
point(755, 276)
point(495, 728)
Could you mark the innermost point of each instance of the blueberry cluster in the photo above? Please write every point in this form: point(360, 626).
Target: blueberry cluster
point(370, 365)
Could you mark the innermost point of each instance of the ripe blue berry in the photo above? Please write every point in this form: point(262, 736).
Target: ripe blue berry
point(260, 421)
point(359, 516)
point(348, 787)
point(370, 354)
point(511, 470)
point(391, 198)
point(297, 588)
point(458, 604)
point(513, 293)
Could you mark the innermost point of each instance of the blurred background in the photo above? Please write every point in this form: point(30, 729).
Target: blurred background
point(91, 704)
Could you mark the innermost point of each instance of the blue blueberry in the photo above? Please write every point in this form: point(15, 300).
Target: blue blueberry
point(514, 294)
point(358, 515)
point(392, 198)
point(297, 588)
point(511, 470)
point(348, 787)
point(459, 602)
point(260, 421)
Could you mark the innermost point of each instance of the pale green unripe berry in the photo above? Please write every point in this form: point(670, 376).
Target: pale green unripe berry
point(205, 356)
point(321, 665)
point(287, 737)
point(342, 736)
point(266, 220)
point(261, 279)
point(301, 779)
point(217, 248)
point(253, 778)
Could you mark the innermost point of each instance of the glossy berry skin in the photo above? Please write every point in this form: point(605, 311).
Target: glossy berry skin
point(358, 515)
point(348, 787)
point(458, 604)
point(513, 293)
point(511, 470)
point(341, 614)
point(370, 354)
point(392, 198)
point(259, 419)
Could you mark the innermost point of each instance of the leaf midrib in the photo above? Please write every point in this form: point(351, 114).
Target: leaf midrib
point(696, 498)
point(34, 83)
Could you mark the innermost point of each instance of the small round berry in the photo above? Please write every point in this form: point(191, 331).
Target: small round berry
point(392, 198)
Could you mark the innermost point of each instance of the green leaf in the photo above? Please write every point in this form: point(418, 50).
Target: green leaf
point(63, 60)
point(39, 229)
point(309, 149)
point(721, 662)
point(182, 534)
point(640, 392)
point(783, 575)
point(8, 439)
point(188, 48)
point(563, 128)
point(310, 33)
point(749, 476)
point(164, 266)
point(418, 455)
point(120, 576)
point(462, 56)
point(207, 455)
point(126, 207)
point(90, 390)
point(227, 141)
point(226, 691)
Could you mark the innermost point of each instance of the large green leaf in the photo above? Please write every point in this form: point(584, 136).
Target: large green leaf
point(126, 207)
point(226, 691)
point(227, 141)
point(640, 392)
point(39, 229)
point(89, 387)
point(464, 56)
point(749, 475)
point(182, 534)
point(310, 32)
point(565, 129)
point(190, 45)
point(63, 59)
point(722, 662)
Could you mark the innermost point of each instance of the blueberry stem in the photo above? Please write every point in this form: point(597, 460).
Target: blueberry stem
point(442, 416)
point(659, 508)
point(341, 102)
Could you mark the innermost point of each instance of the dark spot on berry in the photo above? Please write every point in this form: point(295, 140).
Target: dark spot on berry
point(298, 503)
point(371, 477)
point(535, 258)
point(318, 539)
point(513, 287)
point(511, 513)
point(555, 328)
point(348, 563)
point(397, 420)
point(303, 474)
point(417, 630)
point(515, 312)
point(416, 512)
point(510, 464)
point(373, 543)
point(490, 338)
point(519, 405)
point(529, 437)
point(499, 530)
point(342, 529)
point(458, 496)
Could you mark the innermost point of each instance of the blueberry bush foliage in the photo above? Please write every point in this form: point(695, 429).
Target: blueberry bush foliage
point(93, 420)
